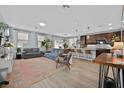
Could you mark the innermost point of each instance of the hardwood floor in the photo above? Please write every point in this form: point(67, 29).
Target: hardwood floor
point(82, 75)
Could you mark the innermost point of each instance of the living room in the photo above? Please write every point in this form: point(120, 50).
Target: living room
point(34, 41)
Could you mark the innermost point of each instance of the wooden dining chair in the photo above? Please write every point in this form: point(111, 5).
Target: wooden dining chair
point(66, 60)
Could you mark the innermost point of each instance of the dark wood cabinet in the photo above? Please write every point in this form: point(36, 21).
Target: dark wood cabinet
point(103, 36)
point(100, 51)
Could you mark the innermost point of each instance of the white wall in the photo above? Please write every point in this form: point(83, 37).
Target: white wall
point(1, 18)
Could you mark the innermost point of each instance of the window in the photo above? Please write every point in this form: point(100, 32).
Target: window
point(72, 42)
point(40, 38)
point(22, 39)
point(58, 43)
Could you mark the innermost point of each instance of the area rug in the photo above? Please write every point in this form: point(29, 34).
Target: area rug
point(29, 71)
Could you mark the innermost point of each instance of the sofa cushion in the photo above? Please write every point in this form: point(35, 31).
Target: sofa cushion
point(27, 50)
point(35, 49)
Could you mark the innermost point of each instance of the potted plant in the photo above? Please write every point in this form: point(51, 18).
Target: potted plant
point(18, 53)
point(114, 38)
point(8, 44)
point(3, 26)
point(65, 45)
point(46, 43)
point(18, 50)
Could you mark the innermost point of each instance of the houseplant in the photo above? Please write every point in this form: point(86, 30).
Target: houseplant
point(65, 45)
point(8, 44)
point(18, 53)
point(3, 26)
point(46, 43)
point(18, 50)
point(114, 38)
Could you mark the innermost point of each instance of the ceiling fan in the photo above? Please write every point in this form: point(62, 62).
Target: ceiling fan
point(66, 6)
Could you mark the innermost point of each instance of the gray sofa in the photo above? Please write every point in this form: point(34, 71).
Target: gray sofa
point(31, 53)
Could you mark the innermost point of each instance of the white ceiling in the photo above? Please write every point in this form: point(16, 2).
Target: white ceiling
point(63, 21)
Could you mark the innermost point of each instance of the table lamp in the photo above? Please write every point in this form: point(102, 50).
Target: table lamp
point(118, 48)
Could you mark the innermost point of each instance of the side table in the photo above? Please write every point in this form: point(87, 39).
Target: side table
point(18, 56)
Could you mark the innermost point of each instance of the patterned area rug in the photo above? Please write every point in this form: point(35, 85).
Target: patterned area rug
point(29, 71)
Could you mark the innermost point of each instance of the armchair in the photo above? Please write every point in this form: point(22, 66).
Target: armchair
point(66, 60)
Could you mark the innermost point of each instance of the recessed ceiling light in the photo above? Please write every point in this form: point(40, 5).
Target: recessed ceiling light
point(110, 24)
point(42, 24)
